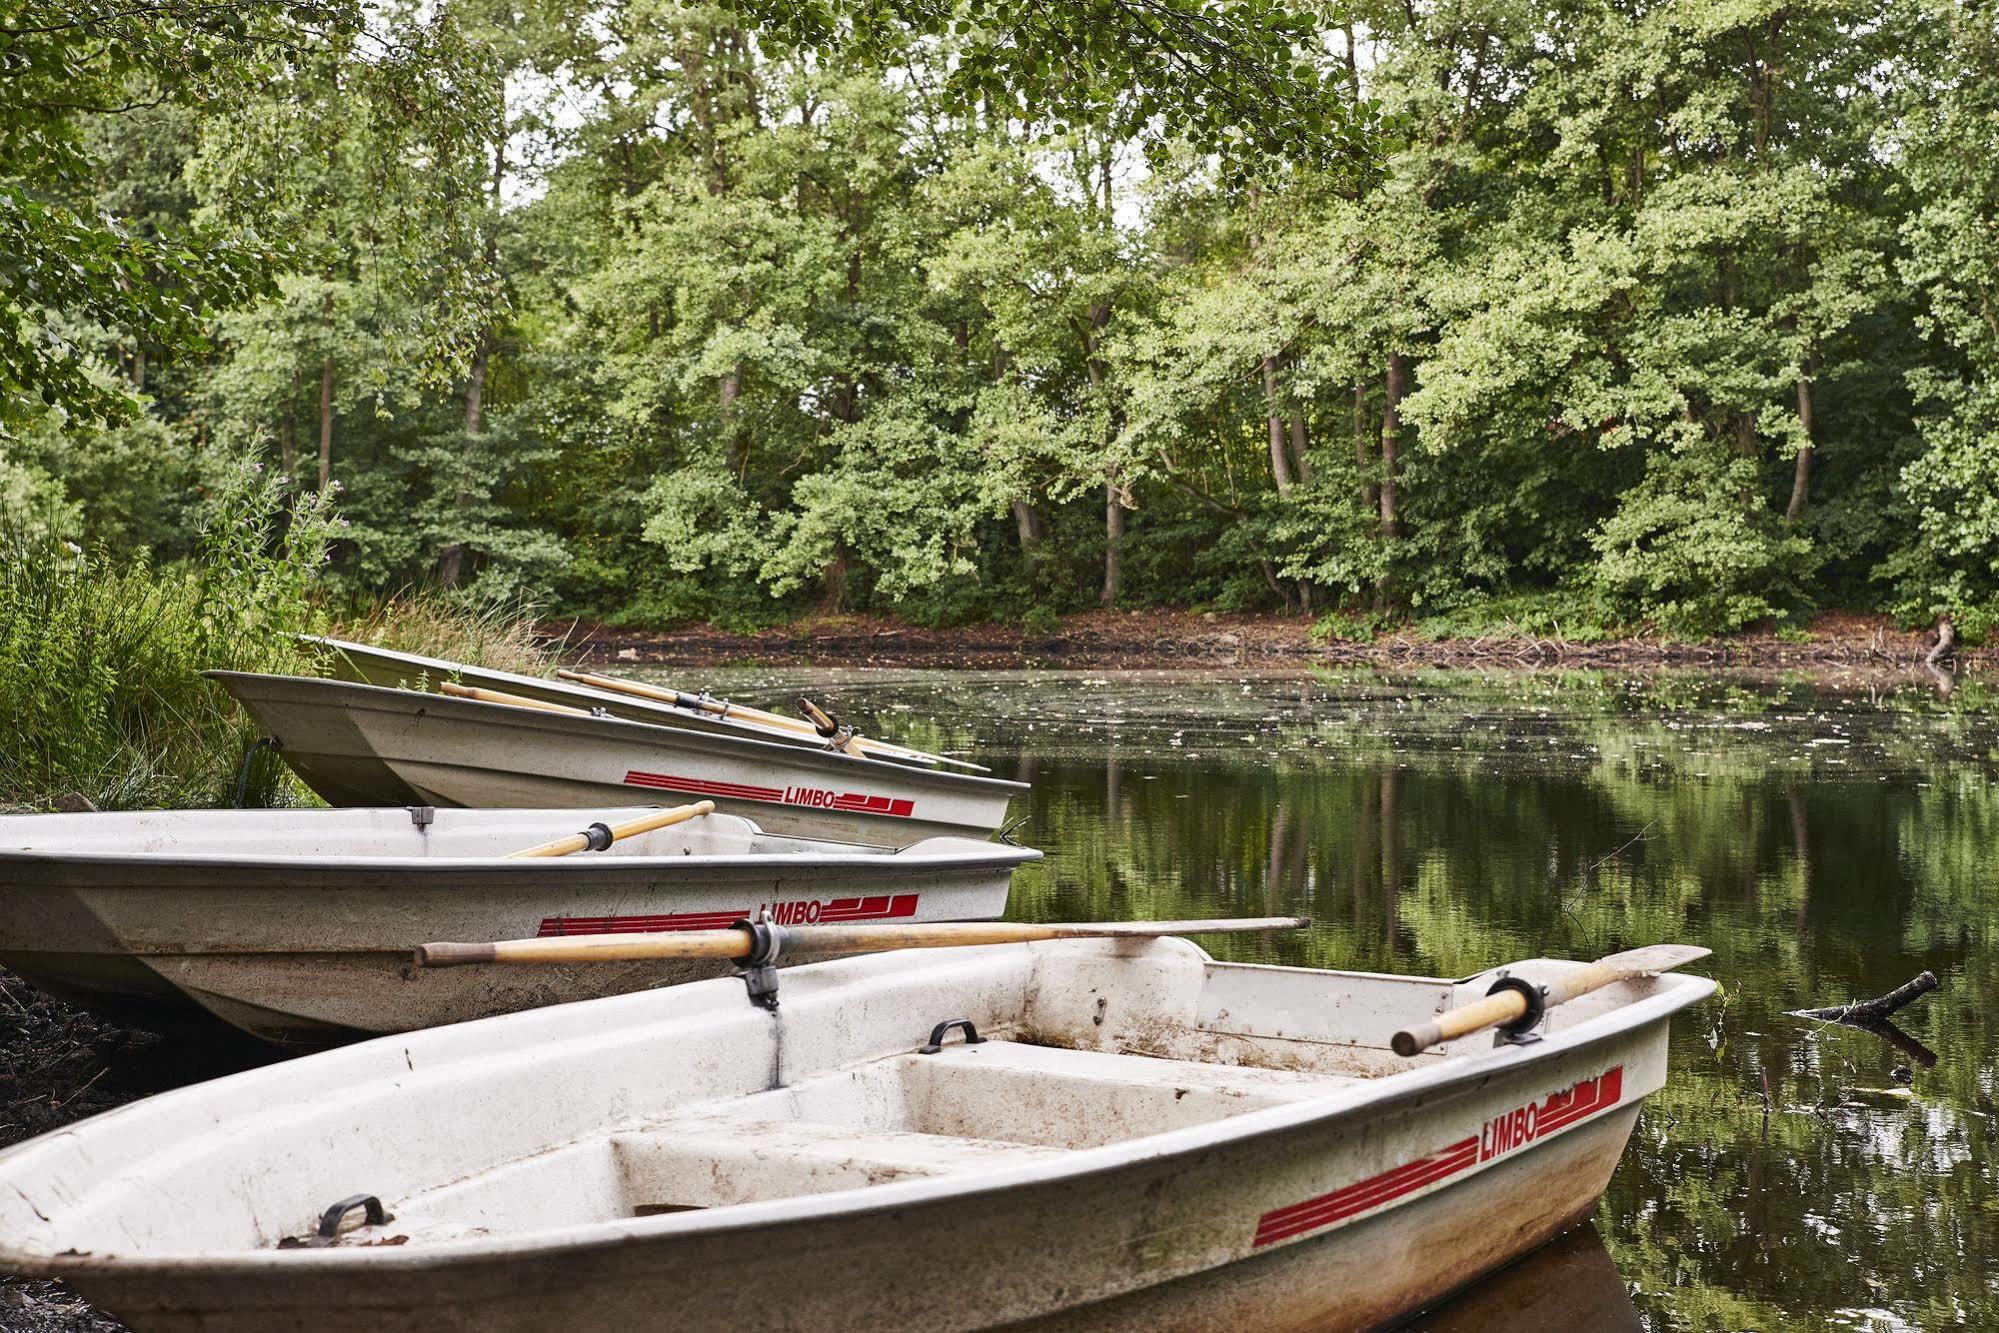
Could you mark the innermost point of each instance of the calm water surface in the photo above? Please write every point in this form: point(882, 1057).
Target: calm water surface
point(1827, 843)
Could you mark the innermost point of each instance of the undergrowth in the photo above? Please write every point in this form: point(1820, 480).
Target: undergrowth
point(101, 658)
point(101, 693)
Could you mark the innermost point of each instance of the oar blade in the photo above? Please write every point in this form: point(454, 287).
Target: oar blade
point(1653, 959)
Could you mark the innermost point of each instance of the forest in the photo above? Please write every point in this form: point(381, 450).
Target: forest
point(1465, 312)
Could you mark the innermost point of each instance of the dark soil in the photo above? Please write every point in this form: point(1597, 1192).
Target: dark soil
point(1164, 639)
point(60, 1064)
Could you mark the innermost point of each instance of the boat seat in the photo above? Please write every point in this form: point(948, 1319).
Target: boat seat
point(708, 1160)
point(1061, 1098)
point(1268, 1086)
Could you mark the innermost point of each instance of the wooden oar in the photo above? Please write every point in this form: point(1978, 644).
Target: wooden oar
point(701, 703)
point(737, 943)
point(485, 696)
point(1509, 1006)
point(599, 836)
point(722, 708)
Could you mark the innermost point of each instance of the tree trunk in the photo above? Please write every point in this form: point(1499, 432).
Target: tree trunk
point(1280, 464)
point(326, 401)
point(1391, 424)
point(1801, 476)
point(325, 421)
point(287, 444)
point(1113, 546)
point(475, 392)
point(451, 562)
point(1301, 459)
point(1363, 460)
point(833, 582)
point(1027, 523)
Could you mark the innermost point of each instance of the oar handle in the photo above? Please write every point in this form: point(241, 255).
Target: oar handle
point(1505, 1007)
point(821, 721)
point(555, 949)
point(485, 696)
point(600, 836)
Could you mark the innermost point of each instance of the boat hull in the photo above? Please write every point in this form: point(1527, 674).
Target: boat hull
point(359, 744)
point(1348, 1209)
point(936, 1269)
point(308, 951)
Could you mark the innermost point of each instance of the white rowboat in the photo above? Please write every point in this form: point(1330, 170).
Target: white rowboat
point(1144, 1138)
point(368, 745)
point(297, 925)
point(368, 665)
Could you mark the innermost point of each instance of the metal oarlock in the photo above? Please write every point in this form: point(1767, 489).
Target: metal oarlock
point(758, 967)
point(1520, 1032)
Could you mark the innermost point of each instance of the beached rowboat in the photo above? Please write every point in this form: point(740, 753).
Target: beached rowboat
point(369, 745)
point(1142, 1138)
point(370, 665)
point(296, 925)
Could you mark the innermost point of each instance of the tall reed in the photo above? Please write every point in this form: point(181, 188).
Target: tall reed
point(100, 658)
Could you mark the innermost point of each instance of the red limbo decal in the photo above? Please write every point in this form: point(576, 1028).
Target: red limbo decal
point(1520, 1127)
point(816, 798)
point(793, 912)
point(1501, 1134)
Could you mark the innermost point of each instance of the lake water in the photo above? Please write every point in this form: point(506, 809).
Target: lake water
point(1827, 842)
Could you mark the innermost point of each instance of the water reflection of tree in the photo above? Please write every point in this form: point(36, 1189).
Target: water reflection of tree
point(1443, 826)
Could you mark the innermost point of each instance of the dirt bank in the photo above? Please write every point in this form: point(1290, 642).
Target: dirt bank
point(59, 1064)
point(1143, 639)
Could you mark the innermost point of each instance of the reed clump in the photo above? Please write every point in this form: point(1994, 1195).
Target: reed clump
point(101, 654)
point(501, 636)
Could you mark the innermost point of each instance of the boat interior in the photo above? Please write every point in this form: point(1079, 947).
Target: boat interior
point(423, 832)
point(692, 1099)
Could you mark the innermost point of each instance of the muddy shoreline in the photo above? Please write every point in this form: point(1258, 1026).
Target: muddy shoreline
point(60, 1064)
point(1838, 644)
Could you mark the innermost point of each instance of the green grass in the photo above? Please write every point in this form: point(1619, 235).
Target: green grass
point(101, 657)
point(434, 624)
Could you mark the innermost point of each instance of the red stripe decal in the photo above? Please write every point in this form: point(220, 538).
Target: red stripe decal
point(810, 798)
point(703, 786)
point(1501, 1134)
point(791, 912)
point(619, 925)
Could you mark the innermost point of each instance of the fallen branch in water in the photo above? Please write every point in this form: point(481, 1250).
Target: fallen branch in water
point(1863, 1012)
